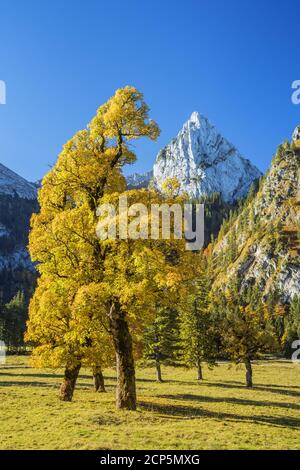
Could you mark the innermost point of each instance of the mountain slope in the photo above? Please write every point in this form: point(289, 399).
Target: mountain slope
point(261, 244)
point(18, 200)
point(204, 162)
point(12, 184)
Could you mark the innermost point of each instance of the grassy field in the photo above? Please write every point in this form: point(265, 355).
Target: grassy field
point(219, 413)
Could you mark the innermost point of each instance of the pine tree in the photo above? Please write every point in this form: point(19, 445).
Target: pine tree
point(232, 250)
point(276, 313)
point(197, 328)
point(13, 324)
point(291, 325)
point(161, 340)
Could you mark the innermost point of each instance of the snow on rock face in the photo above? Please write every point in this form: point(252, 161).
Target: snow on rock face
point(204, 162)
point(267, 254)
point(13, 184)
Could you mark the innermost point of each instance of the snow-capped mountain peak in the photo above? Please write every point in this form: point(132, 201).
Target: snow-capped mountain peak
point(204, 162)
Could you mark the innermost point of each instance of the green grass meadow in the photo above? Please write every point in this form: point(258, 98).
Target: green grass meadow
point(219, 413)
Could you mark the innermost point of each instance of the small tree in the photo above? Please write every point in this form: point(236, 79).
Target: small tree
point(245, 333)
point(161, 340)
point(292, 325)
point(14, 315)
point(197, 329)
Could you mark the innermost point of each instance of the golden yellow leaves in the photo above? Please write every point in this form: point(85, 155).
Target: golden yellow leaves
point(124, 116)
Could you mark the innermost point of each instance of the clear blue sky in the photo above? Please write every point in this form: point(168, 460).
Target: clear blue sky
point(233, 61)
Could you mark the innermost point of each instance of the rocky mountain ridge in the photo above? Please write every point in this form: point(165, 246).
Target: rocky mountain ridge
point(203, 161)
point(18, 200)
point(261, 243)
point(12, 184)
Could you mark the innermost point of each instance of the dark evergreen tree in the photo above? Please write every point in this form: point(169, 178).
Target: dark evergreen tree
point(291, 326)
point(161, 340)
point(197, 328)
point(13, 323)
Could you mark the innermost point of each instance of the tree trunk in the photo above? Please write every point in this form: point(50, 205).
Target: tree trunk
point(68, 385)
point(98, 380)
point(126, 388)
point(158, 371)
point(248, 366)
point(199, 370)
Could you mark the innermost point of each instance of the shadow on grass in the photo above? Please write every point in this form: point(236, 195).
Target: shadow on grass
point(79, 385)
point(231, 401)
point(277, 386)
point(27, 384)
point(178, 412)
point(48, 376)
point(153, 381)
point(264, 388)
point(90, 377)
